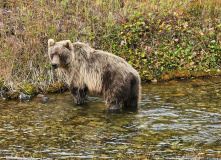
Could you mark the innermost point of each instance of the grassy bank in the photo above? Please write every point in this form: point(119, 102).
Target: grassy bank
point(162, 39)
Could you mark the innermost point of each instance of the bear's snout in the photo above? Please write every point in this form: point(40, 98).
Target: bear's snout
point(54, 65)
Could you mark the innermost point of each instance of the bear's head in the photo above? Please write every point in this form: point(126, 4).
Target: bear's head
point(60, 53)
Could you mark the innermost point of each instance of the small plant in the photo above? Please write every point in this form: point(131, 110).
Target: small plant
point(64, 3)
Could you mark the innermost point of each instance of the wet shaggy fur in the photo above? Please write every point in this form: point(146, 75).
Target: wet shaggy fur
point(96, 71)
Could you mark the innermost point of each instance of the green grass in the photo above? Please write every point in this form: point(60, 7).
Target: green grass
point(163, 39)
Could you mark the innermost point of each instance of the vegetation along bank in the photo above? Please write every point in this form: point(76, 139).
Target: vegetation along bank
point(162, 40)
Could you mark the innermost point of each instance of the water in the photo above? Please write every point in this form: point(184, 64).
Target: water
point(176, 120)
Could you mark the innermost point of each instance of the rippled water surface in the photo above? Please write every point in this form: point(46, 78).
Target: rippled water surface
point(176, 120)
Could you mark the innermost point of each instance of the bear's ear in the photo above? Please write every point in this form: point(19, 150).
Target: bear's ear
point(68, 44)
point(51, 42)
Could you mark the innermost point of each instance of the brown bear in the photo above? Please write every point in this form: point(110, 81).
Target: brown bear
point(96, 71)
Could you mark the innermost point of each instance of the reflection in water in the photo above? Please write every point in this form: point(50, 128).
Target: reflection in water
point(175, 120)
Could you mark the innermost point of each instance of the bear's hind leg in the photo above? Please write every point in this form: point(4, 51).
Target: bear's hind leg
point(79, 94)
point(131, 104)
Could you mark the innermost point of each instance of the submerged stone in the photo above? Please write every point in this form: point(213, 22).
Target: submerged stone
point(24, 97)
point(43, 98)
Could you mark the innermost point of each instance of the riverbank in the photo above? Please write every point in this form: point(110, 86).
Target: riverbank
point(162, 40)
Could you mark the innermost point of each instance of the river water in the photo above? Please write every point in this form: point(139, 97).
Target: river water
point(175, 120)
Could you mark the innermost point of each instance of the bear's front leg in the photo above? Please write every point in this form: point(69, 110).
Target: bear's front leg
point(114, 107)
point(79, 94)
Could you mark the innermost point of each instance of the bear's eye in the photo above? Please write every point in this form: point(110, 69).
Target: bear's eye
point(60, 55)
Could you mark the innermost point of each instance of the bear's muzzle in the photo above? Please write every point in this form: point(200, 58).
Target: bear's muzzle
point(54, 65)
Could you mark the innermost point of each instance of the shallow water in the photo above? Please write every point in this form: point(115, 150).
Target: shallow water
point(176, 120)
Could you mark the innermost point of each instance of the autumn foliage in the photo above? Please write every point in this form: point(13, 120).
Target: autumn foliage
point(163, 39)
